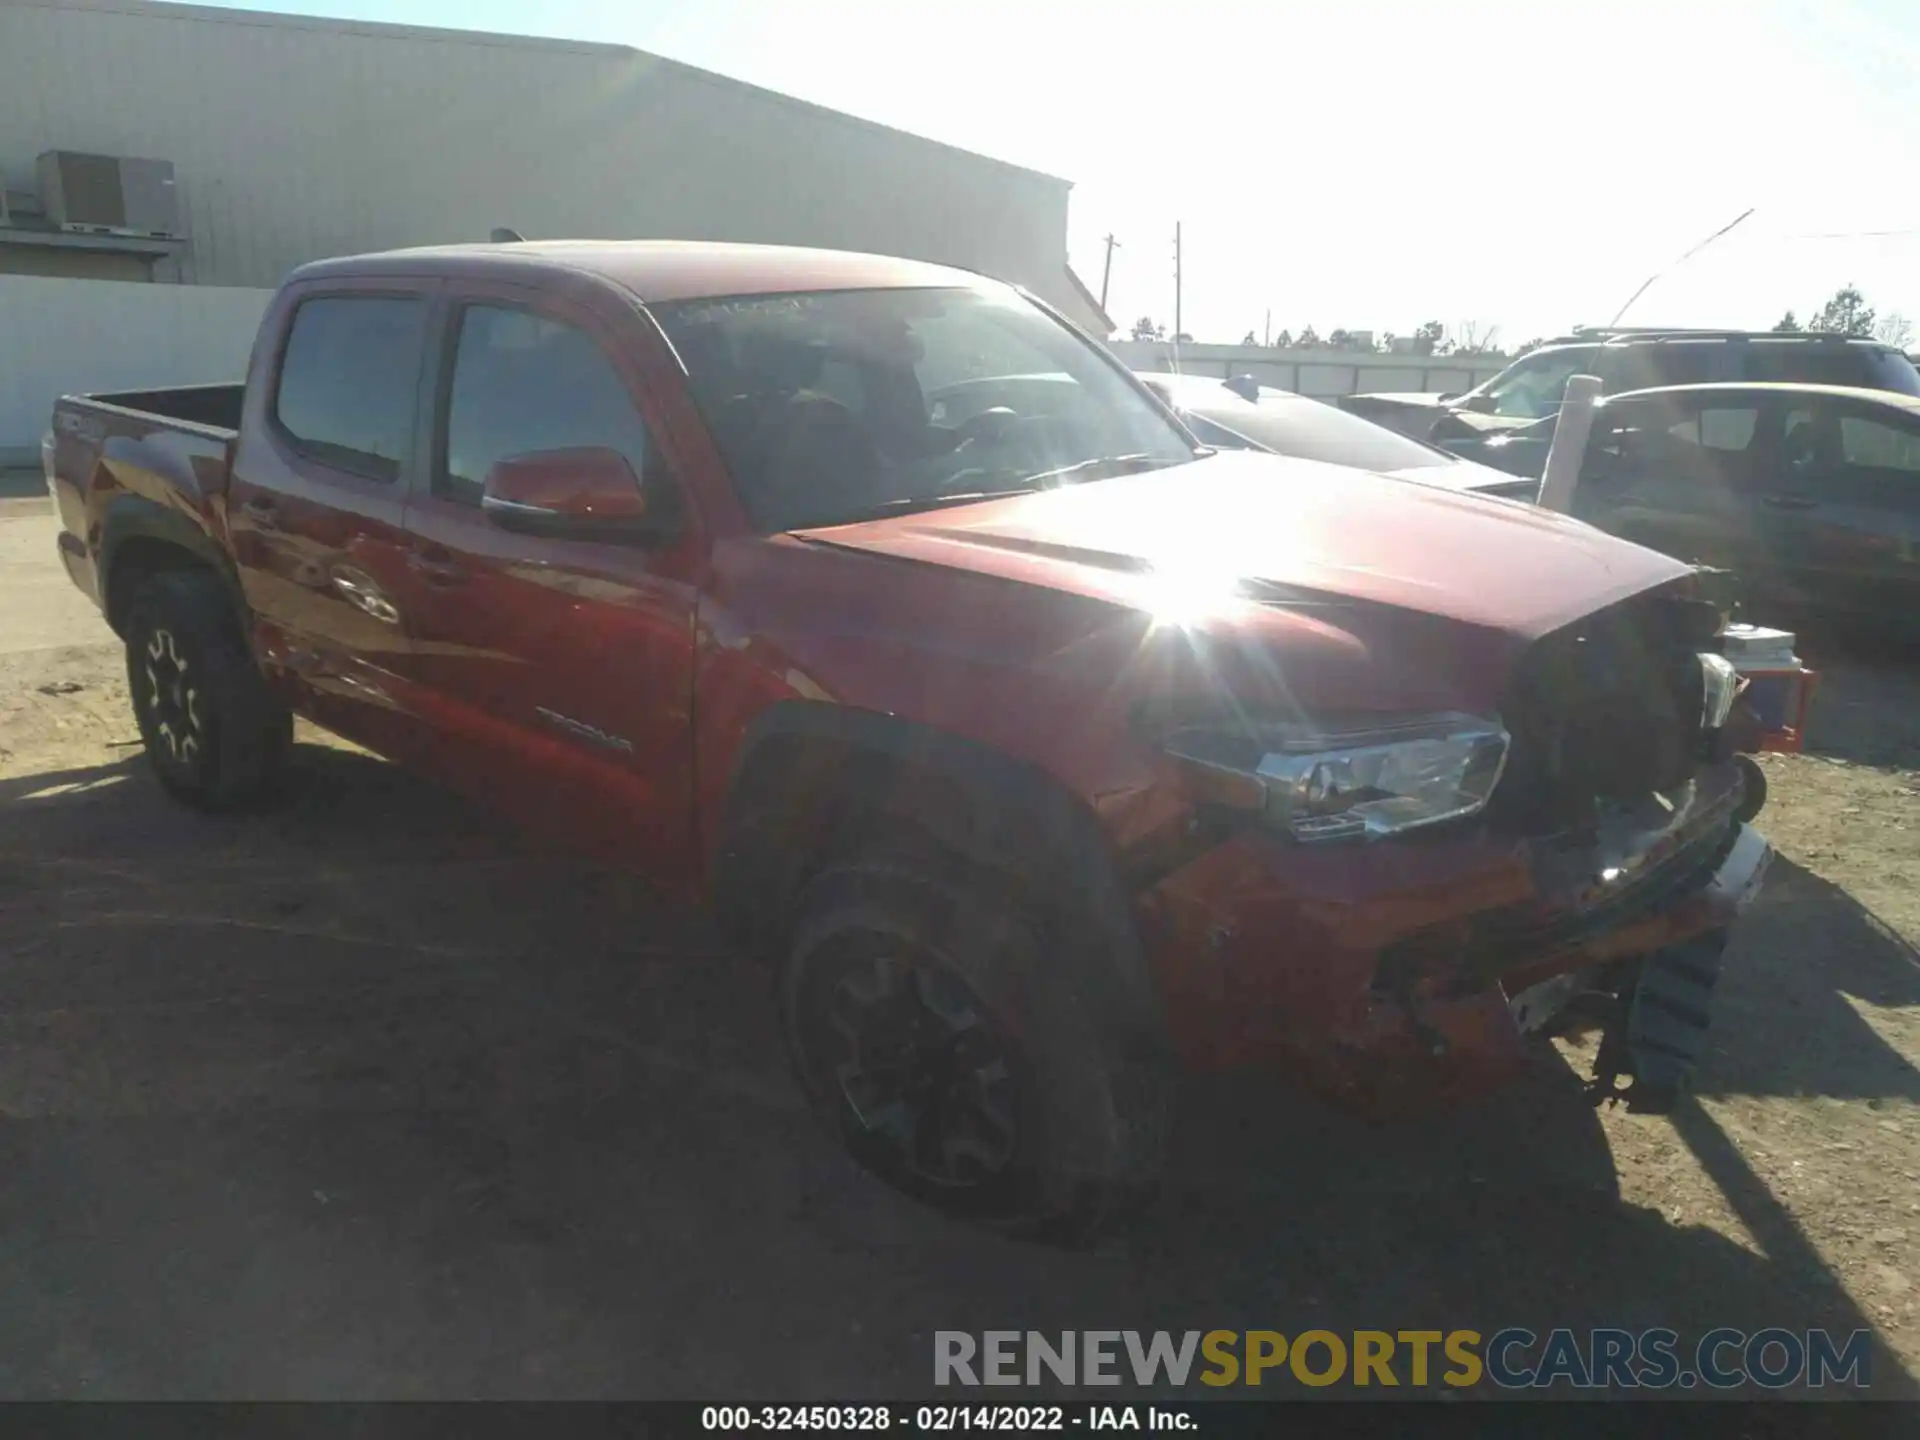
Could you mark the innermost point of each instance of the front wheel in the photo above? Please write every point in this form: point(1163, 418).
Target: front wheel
point(215, 735)
point(951, 1054)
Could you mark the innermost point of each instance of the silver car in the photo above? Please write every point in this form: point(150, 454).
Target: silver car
point(1241, 414)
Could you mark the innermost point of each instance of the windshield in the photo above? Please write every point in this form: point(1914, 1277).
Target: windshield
point(837, 406)
point(1290, 424)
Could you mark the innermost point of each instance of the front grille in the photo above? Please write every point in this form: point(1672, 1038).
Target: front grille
point(1606, 709)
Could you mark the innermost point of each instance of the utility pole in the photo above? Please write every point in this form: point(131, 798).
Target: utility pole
point(1266, 335)
point(1178, 329)
point(1106, 270)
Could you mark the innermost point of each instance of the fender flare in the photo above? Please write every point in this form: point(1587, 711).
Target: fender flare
point(1007, 808)
point(134, 518)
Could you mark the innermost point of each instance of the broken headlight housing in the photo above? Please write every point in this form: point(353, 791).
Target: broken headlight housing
point(1366, 779)
point(1721, 684)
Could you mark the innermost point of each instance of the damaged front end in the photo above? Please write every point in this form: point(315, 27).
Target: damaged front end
point(1599, 881)
point(1635, 796)
point(1628, 933)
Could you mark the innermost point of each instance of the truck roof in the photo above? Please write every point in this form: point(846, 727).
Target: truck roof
point(658, 270)
point(1892, 399)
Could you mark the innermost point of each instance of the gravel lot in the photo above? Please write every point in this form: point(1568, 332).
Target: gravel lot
point(370, 1097)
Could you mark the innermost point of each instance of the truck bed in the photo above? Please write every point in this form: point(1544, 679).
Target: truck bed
point(214, 407)
point(134, 465)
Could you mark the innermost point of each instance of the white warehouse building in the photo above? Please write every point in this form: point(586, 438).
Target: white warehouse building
point(276, 140)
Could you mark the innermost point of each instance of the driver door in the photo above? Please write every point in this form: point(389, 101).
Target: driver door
point(559, 670)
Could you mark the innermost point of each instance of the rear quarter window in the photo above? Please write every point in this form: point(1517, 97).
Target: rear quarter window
point(348, 381)
point(1865, 366)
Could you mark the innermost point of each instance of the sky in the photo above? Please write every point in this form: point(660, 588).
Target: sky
point(1520, 166)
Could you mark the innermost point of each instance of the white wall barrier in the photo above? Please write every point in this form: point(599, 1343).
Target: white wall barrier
point(61, 336)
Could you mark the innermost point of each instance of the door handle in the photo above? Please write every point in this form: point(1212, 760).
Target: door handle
point(436, 565)
point(366, 596)
point(1788, 502)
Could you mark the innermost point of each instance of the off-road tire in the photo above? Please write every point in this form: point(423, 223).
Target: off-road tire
point(1093, 1110)
point(216, 737)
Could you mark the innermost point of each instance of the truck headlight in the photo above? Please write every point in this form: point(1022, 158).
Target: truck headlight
point(1722, 684)
point(1343, 782)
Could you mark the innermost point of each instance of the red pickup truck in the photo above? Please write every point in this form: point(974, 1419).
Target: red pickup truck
point(1044, 752)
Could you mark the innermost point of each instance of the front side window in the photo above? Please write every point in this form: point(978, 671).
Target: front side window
point(835, 406)
point(524, 383)
point(349, 379)
point(1718, 427)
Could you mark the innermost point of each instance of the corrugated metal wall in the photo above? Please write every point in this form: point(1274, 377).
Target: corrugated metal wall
point(1323, 374)
point(295, 139)
point(61, 336)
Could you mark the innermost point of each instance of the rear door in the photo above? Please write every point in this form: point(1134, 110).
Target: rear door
point(327, 443)
point(558, 672)
point(1843, 518)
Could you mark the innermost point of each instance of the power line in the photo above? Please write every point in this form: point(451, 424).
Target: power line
point(1848, 234)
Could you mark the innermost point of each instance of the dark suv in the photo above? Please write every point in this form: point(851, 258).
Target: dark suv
point(1530, 388)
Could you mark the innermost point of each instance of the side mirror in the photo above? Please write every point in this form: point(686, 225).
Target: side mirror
point(1447, 397)
point(1479, 404)
point(588, 493)
point(1245, 386)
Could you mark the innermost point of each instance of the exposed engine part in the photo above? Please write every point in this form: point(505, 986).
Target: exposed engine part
point(1607, 709)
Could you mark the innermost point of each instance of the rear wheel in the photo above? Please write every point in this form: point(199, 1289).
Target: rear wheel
point(216, 736)
point(947, 1049)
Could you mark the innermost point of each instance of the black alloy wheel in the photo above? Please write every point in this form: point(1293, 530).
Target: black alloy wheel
point(929, 1090)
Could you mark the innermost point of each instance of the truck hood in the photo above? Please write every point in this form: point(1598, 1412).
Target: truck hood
point(1463, 474)
point(1277, 531)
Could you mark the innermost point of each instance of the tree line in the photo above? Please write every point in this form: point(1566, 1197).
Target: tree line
point(1846, 312)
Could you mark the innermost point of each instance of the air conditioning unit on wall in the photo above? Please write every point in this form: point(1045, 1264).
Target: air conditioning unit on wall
point(109, 194)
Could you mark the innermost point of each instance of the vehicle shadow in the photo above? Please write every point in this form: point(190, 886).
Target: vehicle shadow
point(372, 1097)
point(1782, 1021)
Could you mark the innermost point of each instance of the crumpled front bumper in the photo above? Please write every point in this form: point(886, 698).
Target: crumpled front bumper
point(1393, 975)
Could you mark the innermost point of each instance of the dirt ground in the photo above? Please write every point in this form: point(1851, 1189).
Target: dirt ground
point(370, 1097)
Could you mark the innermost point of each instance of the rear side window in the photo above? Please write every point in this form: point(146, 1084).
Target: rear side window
point(1865, 366)
point(1890, 370)
point(348, 381)
point(1877, 446)
point(524, 383)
